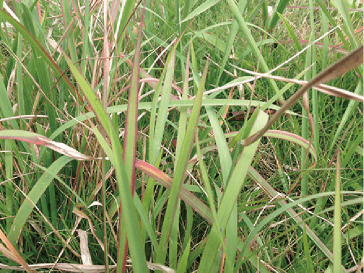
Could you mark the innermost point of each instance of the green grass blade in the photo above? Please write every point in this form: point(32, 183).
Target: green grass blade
point(33, 197)
point(91, 97)
point(200, 9)
point(337, 217)
point(130, 218)
point(182, 263)
point(131, 127)
point(280, 6)
point(163, 110)
point(307, 251)
point(230, 196)
point(287, 208)
point(180, 169)
point(291, 32)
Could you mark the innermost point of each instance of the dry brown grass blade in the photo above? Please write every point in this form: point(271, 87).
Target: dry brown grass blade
point(85, 252)
point(18, 258)
point(82, 214)
point(344, 65)
point(323, 88)
point(64, 267)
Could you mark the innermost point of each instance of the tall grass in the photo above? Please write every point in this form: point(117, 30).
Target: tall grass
point(181, 136)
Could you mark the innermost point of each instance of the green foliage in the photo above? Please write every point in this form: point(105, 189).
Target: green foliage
point(154, 106)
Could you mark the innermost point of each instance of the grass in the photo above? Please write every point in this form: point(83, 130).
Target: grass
point(181, 136)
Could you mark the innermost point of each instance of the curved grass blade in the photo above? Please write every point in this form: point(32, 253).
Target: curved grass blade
point(203, 7)
point(251, 42)
point(173, 103)
point(188, 197)
point(348, 112)
point(37, 139)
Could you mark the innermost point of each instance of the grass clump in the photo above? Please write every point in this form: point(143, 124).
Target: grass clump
point(181, 136)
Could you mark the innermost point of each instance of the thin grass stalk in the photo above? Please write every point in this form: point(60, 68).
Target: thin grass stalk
point(346, 117)
point(324, 9)
point(325, 29)
point(86, 27)
point(182, 263)
point(281, 5)
point(67, 21)
point(182, 125)
point(342, 7)
point(233, 32)
point(337, 215)
point(305, 119)
point(106, 70)
point(130, 142)
point(307, 253)
point(20, 81)
point(210, 195)
point(9, 195)
point(315, 98)
point(41, 51)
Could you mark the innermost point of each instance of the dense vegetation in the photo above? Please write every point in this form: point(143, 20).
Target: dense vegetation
point(187, 136)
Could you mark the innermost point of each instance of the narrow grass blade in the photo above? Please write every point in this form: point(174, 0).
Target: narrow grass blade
point(163, 110)
point(33, 197)
point(5, 105)
point(337, 216)
point(203, 7)
point(180, 169)
point(129, 153)
point(94, 102)
point(307, 252)
point(173, 103)
point(182, 125)
point(344, 11)
point(291, 32)
point(182, 263)
point(333, 22)
point(348, 113)
point(280, 6)
point(129, 215)
point(230, 196)
point(188, 197)
point(287, 208)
